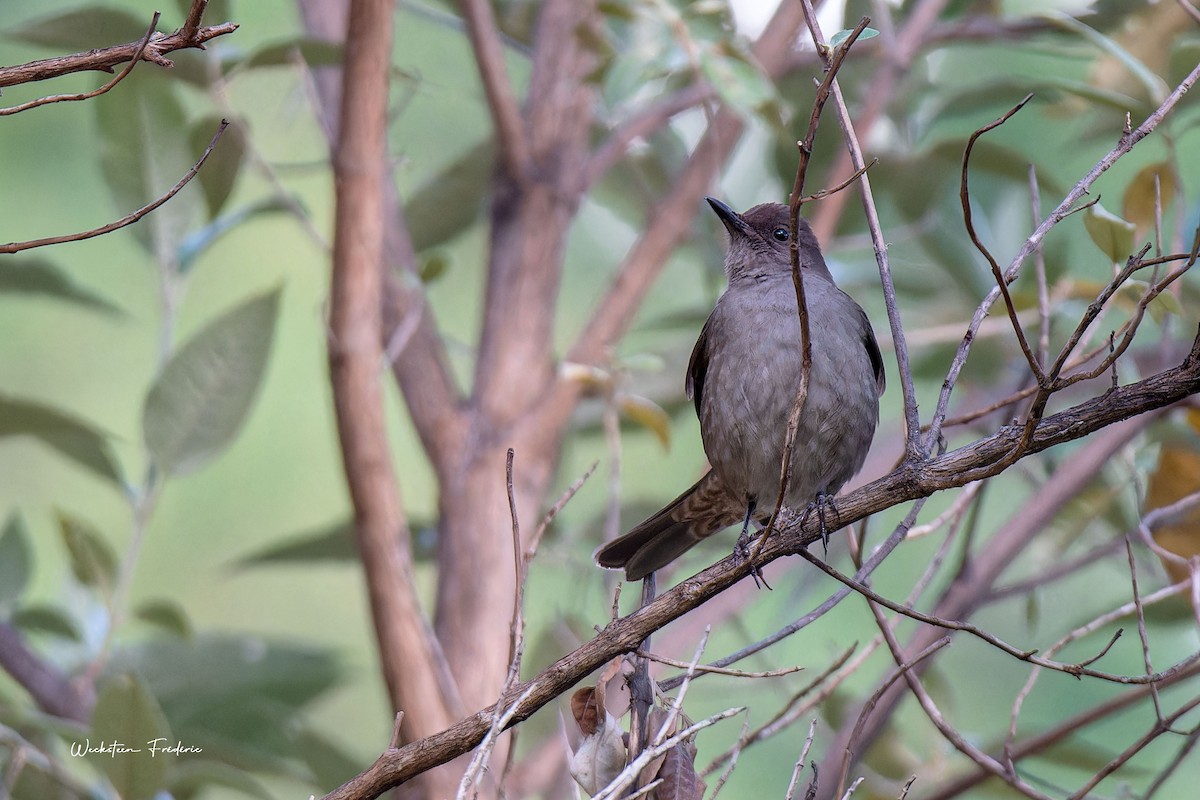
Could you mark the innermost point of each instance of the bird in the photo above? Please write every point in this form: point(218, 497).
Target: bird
point(743, 377)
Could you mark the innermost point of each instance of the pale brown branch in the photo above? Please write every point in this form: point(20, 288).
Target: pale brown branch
point(191, 25)
point(70, 98)
point(408, 658)
point(105, 59)
point(52, 691)
point(16, 247)
point(511, 135)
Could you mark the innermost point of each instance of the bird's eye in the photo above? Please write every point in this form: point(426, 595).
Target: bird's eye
point(780, 234)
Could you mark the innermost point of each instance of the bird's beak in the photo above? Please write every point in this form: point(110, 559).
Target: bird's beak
point(734, 222)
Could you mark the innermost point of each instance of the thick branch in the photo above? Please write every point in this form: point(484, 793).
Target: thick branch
point(407, 653)
point(906, 483)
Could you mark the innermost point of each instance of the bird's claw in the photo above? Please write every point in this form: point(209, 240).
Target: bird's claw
point(819, 505)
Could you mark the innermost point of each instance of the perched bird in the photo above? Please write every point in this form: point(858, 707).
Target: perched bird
point(743, 377)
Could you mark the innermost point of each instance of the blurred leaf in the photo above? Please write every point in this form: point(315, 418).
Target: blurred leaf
point(434, 267)
point(1175, 477)
point(315, 52)
point(199, 402)
point(81, 29)
point(220, 171)
point(127, 714)
point(330, 765)
point(143, 154)
point(843, 35)
point(16, 560)
point(448, 203)
point(1165, 303)
point(680, 781)
point(238, 697)
point(648, 414)
point(1113, 235)
point(199, 240)
point(741, 84)
point(1154, 86)
point(92, 558)
point(74, 439)
point(601, 755)
point(1138, 204)
point(40, 276)
point(166, 614)
point(191, 776)
point(333, 543)
point(48, 620)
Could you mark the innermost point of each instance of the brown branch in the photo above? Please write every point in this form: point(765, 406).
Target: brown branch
point(70, 98)
point(511, 135)
point(52, 691)
point(625, 634)
point(1041, 741)
point(912, 423)
point(191, 25)
point(104, 60)
point(964, 195)
point(805, 147)
point(1077, 670)
point(421, 367)
point(408, 661)
point(16, 247)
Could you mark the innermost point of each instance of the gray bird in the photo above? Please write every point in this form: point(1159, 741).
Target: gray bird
point(743, 377)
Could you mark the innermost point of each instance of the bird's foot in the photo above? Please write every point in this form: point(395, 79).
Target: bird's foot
point(820, 505)
point(744, 552)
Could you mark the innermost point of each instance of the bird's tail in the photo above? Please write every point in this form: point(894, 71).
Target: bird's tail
point(696, 514)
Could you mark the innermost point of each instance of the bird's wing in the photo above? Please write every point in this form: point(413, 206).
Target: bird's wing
point(868, 340)
point(698, 367)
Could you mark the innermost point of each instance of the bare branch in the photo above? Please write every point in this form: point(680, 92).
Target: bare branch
point(506, 113)
point(68, 98)
point(16, 247)
point(104, 60)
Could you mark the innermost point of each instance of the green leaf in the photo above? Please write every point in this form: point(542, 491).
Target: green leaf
point(1165, 303)
point(330, 766)
point(127, 715)
point(843, 35)
point(1156, 88)
point(188, 778)
point(220, 170)
point(49, 620)
point(74, 439)
point(315, 52)
point(143, 155)
point(167, 615)
point(434, 267)
point(1139, 202)
point(449, 202)
point(332, 543)
point(82, 29)
point(199, 240)
point(204, 394)
point(1113, 235)
point(40, 276)
point(741, 84)
point(238, 697)
point(16, 561)
point(92, 559)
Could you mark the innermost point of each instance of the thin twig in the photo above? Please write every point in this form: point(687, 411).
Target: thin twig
point(734, 673)
point(964, 195)
point(70, 98)
point(805, 147)
point(1077, 670)
point(17, 247)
